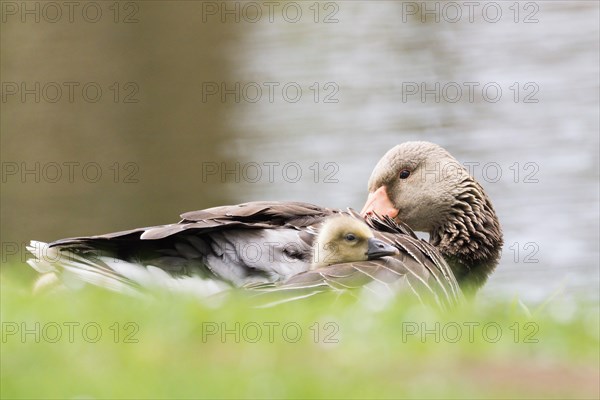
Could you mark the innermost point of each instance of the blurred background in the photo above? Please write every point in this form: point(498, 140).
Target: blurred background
point(118, 115)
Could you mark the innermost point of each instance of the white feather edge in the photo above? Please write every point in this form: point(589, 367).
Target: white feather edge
point(74, 271)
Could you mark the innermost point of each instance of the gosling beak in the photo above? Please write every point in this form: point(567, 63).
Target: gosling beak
point(377, 249)
point(379, 202)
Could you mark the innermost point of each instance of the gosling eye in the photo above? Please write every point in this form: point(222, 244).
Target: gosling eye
point(351, 237)
point(404, 174)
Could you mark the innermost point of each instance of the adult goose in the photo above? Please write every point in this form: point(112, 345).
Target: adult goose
point(416, 185)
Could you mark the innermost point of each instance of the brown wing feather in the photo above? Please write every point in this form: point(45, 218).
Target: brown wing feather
point(265, 211)
point(253, 215)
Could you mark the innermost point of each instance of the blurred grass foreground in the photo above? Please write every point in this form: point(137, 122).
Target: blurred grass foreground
point(96, 344)
point(161, 56)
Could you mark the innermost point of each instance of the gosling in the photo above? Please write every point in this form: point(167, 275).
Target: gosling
point(344, 239)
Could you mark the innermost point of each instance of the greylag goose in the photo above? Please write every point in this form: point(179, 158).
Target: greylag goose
point(422, 185)
point(416, 185)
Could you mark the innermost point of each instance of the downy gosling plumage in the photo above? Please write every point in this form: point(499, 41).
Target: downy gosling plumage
point(344, 239)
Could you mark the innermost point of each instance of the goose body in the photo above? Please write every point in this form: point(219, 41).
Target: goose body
point(273, 242)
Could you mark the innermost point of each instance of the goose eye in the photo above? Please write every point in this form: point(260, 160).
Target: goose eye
point(350, 237)
point(404, 174)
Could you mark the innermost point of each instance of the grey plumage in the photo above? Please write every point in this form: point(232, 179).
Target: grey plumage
point(441, 198)
point(266, 246)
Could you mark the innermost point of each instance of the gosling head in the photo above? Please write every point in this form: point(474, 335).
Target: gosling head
point(344, 239)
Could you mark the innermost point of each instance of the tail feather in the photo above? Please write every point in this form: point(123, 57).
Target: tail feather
point(117, 275)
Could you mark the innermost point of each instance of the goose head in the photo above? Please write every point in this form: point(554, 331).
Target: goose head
point(422, 185)
point(344, 239)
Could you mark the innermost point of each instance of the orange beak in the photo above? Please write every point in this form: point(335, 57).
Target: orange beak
point(378, 202)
